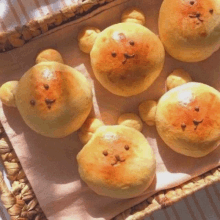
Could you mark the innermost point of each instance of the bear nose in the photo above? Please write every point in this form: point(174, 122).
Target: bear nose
point(117, 157)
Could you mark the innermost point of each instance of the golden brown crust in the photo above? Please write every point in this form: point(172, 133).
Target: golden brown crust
point(188, 119)
point(131, 120)
point(53, 99)
point(190, 29)
point(49, 55)
point(147, 111)
point(7, 93)
point(87, 37)
point(115, 164)
point(134, 15)
point(126, 62)
point(177, 78)
point(88, 129)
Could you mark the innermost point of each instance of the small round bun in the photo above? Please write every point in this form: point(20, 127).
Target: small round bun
point(126, 62)
point(147, 111)
point(188, 119)
point(114, 164)
point(133, 15)
point(49, 55)
point(53, 99)
point(88, 129)
point(189, 29)
point(177, 78)
point(131, 120)
point(87, 37)
point(7, 93)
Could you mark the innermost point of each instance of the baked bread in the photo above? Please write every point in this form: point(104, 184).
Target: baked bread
point(188, 119)
point(87, 37)
point(7, 93)
point(177, 78)
point(131, 120)
point(147, 111)
point(190, 29)
point(124, 61)
point(134, 15)
point(49, 55)
point(117, 162)
point(53, 99)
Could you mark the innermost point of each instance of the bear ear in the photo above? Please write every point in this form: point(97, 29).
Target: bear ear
point(147, 111)
point(49, 55)
point(133, 15)
point(88, 129)
point(131, 120)
point(7, 93)
point(86, 38)
point(177, 78)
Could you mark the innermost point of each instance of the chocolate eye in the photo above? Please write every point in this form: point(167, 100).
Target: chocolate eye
point(131, 43)
point(183, 126)
point(46, 86)
point(197, 108)
point(105, 153)
point(114, 54)
point(127, 147)
point(32, 102)
point(211, 11)
point(191, 2)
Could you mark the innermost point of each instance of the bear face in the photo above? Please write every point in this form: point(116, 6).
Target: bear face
point(53, 99)
point(190, 26)
point(117, 161)
point(126, 58)
point(188, 119)
point(124, 61)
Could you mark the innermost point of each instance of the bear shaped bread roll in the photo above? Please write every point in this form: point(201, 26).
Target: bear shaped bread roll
point(53, 99)
point(190, 29)
point(126, 58)
point(116, 161)
point(187, 118)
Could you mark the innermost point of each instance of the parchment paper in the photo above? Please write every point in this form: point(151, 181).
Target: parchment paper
point(50, 164)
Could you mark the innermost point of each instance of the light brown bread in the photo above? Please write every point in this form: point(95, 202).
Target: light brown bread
point(87, 37)
point(53, 99)
point(147, 111)
point(127, 58)
point(177, 78)
point(188, 119)
point(88, 129)
point(190, 29)
point(134, 15)
point(7, 93)
point(117, 162)
point(131, 120)
point(49, 55)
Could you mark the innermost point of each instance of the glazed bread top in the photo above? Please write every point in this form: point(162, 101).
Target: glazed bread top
point(188, 119)
point(53, 99)
point(126, 58)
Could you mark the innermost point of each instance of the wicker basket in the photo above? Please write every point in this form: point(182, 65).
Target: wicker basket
point(20, 200)
point(22, 35)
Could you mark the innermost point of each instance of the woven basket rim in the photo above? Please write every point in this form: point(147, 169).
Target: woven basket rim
point(21, 35)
